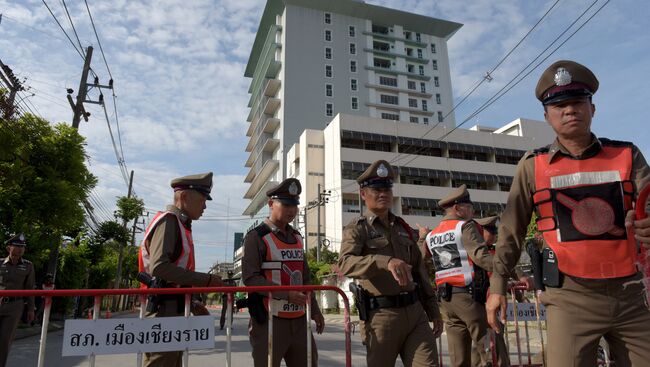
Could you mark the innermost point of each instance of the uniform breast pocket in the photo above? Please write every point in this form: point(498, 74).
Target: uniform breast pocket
point(378, 245)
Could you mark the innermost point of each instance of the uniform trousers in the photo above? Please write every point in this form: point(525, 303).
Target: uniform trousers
point(465, 322)
point(482, 349)
point(9, 317)
point(289, 342)
point(584, 310)
point(167, 308)
point(404, 332)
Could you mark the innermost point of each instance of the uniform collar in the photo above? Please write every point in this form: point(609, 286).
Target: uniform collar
point(8, 260)
point(275, 229)
point(594, 147)
point(181, 215)
point(452, 217)
point(370, 216)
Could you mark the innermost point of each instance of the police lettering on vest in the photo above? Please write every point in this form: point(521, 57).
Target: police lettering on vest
point(453, 265)
point(581, 206)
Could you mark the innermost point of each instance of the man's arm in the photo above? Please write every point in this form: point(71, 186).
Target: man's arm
point(351, 262)
point(641, 178)
point(475, 246)
point(165, 238)
point(29, 285)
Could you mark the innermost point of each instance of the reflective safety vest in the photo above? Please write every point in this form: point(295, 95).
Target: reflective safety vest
point(581, 206)
point(186, 258)
point(283, 265)
point(451, 261)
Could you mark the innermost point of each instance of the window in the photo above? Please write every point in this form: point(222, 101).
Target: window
point(418, 37)
point(391, 82)
point(409, 51)
point(328, 90)
point(355, 103)
point(421, 69)
point(410, 68)
point(411, 84)
point(353, 48)
point(414, 119)
point(389, 99)
point(381, 46)
point(350, 205)
point(413, 102)
point(381, 63)
point(419, 53)
point(425, 120)
point(390, 116)
point(434, 63)
point(423, 87)
point(328, 109)
point(433, 48)
point(328, 35)
point(353, 66)
point(328, 53)
point(328, 18)
point(353, 85)
point(438, 101)
point(440, 118)
point(352, 31)
point(407, 35)
point(424, 105)
point(436, 81)
point(328, 71)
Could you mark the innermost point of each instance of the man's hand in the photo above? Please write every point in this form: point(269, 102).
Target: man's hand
point(438, 326)
point(320, 322)
point(528, 281)
point(422, 231)
point(401, 271)
point(198, 309)
point(298, 298)
point(496, 303)
point(641, 228)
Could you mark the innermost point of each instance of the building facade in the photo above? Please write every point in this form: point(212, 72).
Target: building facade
point(312, 60)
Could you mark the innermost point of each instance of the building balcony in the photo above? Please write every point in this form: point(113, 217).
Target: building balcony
point(393, 71)
point(261, 177)
point(270, 125)
point(394, 107)
point(259, 199)
point(399, 90)
point(390, 37)
point(271, 106)
point(251, 143)
point(269, 64)
point(251, 128)
point(271, 87)
point(381, 52)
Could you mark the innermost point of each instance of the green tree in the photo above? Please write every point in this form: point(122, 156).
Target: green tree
point(129, 208)
point(319, 269)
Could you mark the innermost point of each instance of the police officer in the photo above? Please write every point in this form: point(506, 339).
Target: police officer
point(461, 260)
point(273, 255)
point(224, 301)
point(15, 273)
point(167, 253)
point(580, 187)
point(380, 251)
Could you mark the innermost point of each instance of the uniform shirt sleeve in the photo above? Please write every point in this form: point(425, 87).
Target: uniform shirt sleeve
point(427, 295)
point(252, 273)
point(475, 246)
point(351, 261)
point(162, 247)
point(514, 225)
point(29, 284)
point(640, 169)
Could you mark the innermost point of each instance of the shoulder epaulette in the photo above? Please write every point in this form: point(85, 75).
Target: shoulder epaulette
point(615, 143)
point(360, 219)
point(262, 230)
point(538, 151)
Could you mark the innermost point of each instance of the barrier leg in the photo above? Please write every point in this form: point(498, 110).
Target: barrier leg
point(96, 310)
point(270, 339)
point(539, 326)
point(308, 315)
point(515, 312)
point(186, 353)
point(440, 351)
point(493, 347)
point(527, 341)
point(143, 307)
point(346, 321)
point(44, 327)
point(229, 308)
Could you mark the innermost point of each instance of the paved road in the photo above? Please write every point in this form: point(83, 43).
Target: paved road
point(331, 349)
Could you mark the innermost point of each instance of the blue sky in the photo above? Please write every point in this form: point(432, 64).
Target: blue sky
point(178, 67)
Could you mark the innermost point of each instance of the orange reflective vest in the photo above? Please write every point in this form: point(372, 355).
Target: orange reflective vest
point(283, 265)
point(186, 258)
point(451, 261)
point(581, 207)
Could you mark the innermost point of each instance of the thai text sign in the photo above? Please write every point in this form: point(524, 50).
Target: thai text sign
point(526, 312)
point(119, 336)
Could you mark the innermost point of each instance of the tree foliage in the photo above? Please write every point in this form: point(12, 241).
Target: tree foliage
point(129, 208)
point(319, 269)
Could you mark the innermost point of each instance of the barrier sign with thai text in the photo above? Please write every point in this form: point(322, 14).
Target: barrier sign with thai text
point(526, 312)
point(120, 336)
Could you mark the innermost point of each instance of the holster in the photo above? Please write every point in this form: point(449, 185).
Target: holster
point(361, 301)
point(552, 276)
point(444, 292)
point(480, 286)
point(256, 309)
point(536, 263)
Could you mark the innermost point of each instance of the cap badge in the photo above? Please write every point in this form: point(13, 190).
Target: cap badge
point(382, 171)
point(293, 189)
point(21, 237)
point(562, 77)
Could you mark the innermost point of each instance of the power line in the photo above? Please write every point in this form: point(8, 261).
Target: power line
point(63, 30)
point(5, 16)
point(65, 7)
point(120, 160)
point(92, 22)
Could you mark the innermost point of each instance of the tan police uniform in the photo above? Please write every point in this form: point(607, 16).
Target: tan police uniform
point(580, 310)
point(289, 331)
point(465, 318)
point(165, 244)
point(398, 322)
point(13, 277)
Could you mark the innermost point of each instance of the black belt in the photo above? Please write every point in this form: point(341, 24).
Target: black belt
point(400, 300)
point(455, 289)
point(4, 300)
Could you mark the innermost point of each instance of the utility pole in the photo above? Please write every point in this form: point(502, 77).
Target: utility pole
point(118, 275)
point(323, 197)
point(306, 229)
point(78, 108)
point(14, 86)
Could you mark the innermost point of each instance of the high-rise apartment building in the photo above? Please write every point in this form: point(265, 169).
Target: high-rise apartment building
point(313, 59)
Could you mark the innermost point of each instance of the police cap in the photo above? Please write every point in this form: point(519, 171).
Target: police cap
point(489, 223)
point(17, 240)
point(287, 192)
point(565, 80)
point(380, 174)
point(459, 195)
point(201, 182)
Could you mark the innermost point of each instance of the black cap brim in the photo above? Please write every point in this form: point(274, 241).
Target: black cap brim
point(288, 201)
point(567, 95)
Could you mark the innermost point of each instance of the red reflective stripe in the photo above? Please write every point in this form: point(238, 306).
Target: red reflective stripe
point(274, 247)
